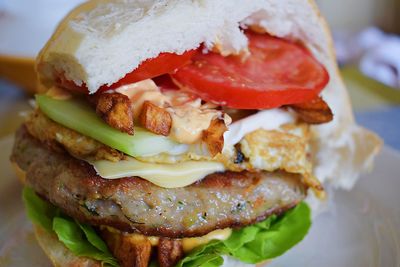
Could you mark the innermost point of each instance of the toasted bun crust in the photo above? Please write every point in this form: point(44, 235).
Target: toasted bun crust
point(21, 174)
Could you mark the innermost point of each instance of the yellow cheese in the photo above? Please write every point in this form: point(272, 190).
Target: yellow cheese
point(164, 175)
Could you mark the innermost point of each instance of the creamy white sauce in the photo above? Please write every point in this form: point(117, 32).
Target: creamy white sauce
point(58, 93)
point(189, 121)
point(270, 119)
point(142, 91)
point(189, 116)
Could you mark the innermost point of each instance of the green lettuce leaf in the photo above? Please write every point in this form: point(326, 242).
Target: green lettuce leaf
point(207, 255)
point(284, 233)
point(81, 239)
point(247, 234)
point(71, 234)
point(40, 212)
point(256, 243)
point(93, 237)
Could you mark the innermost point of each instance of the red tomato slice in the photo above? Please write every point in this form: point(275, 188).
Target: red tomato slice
point(278, 72)
point(164, 63)
point(165, 83)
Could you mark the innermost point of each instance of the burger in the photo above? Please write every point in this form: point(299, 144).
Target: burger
point(185, 133)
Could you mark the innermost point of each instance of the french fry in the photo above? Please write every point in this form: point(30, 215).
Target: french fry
point(170, 251)
point(155, 119)
point(116, 110)
point(130, 250)
point(315, 111)
point(214, 136)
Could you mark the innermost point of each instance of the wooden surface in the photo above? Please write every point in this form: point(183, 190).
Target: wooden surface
point(19, 70)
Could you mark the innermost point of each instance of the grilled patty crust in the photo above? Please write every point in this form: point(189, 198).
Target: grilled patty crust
point(220, 200)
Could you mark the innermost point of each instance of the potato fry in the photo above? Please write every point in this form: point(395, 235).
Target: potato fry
point(214, 136)
point(170, 251)
point(116, 110)
point(130, 250)
point(315, 111)
point(155, 119)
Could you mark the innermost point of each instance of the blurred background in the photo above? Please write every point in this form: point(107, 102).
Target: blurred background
point(355, 15)
point(366, 34)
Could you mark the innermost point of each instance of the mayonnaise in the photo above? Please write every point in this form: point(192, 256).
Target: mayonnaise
point(189, 116)
point(142, 91)
point(58, 93)
point(188, 244)
point(270, 119)
point(189, 122)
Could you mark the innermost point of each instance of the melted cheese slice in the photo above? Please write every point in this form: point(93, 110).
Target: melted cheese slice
point(164, 175)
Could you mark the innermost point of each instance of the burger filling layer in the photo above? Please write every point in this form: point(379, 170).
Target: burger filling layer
point(169, 158)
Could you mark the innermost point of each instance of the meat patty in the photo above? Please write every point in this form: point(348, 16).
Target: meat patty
point(131, 204)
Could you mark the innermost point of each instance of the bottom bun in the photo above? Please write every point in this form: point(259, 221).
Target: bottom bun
point(20, 173)
point(58, 254)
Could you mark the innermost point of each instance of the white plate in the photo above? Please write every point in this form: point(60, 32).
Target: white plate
point(361, 229)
